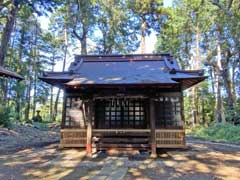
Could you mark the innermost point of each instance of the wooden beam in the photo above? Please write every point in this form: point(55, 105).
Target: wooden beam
point(89, 129)
point(153, 128)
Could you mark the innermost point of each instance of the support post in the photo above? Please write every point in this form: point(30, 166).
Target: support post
point(153, 127)
point(182, 115)
point(64, 110)
point(89, 129)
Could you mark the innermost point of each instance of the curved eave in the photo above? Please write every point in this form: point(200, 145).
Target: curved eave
point(189, 82)
point(192, 72)
point(7, 73)
point(54, 81)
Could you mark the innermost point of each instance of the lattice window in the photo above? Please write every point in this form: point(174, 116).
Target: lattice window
point(121, 113)
point(168, 112)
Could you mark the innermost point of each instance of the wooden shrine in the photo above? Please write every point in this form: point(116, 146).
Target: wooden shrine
point(123, 101)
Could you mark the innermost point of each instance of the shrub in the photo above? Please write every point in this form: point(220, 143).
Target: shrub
point(218, 132)
point(5, 116)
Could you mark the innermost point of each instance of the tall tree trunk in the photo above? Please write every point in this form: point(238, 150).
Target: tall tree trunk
point(84, 42)
point(7, 30)
point(228, 84)
point(218, 107)
point(203, 112)
point(35, 71)
point(196, 65)
point(28, 87)
point(28, 99)
point(18, 91)
point(51, 97)
point(211, 72)
point(235, 65)
point(143, 35)
point(219, 116)
point(34, 90)
point(51, 104)
point(83, 36)
point(55, 110)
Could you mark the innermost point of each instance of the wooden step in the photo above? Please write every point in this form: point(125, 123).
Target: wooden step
point(121, 140)
point(122, 145)
point(121, 134)
point(124, 148)
point(122, 151)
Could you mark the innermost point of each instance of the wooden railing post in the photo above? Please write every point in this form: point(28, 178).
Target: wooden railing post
point(153, 129)
point(89, 129)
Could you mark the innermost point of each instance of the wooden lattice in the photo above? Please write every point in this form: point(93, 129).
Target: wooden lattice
point(73, 138)
point(170, 138)
point(121, 113)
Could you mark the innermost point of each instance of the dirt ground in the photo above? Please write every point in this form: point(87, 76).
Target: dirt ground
point(30, 135)
point(201, 160)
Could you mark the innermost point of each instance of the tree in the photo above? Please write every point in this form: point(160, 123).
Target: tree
point(116, 30)
point(13, 6)
point(204, 33)
point(80, 19)
point(147, 13)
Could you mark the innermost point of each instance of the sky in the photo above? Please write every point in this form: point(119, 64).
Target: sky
point(150, 40)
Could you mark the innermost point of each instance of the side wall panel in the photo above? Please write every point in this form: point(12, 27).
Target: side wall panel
point(74, 113)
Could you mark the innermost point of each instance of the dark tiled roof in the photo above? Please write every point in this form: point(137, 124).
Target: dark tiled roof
point(124, 70)
point(7, 73)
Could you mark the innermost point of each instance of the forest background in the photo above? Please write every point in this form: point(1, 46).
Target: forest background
point(201, 34)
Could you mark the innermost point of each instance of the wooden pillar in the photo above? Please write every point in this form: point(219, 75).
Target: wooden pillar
point(89, 129)
point(153, 127)
point(182, 108)
point(64, 110)
point(182, 115)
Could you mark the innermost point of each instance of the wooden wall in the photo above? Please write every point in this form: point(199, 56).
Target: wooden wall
point(75, 112)
point(168, 111)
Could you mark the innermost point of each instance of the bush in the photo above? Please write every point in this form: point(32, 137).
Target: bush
point(5, 116)
point(218, 132)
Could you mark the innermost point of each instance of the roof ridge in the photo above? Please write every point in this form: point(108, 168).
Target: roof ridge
point(124, 55)
point(128, 57)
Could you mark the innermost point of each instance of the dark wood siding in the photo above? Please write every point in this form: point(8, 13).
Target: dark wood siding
point(124, 112)
point(168, 112)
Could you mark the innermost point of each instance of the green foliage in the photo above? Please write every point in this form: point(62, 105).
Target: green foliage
point(233, 115)
point(148, 11)
point(117, 30)
point(205, 35)
point(6, 116)
point(206, 105)
point(218, 132)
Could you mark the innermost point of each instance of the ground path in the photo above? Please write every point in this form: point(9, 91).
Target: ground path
point(202, 160)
